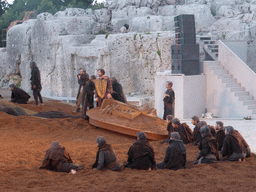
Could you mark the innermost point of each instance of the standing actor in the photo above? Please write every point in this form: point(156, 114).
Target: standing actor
point(83, 77)
point(36, 82)
point(88, 95)
point(169, 97)
point(103, 87)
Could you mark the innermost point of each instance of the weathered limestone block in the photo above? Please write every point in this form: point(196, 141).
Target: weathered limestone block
point(103, 15)
point(3, 63)
point(152, 23)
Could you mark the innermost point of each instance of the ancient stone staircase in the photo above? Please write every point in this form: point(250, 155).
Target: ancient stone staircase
point(237, 92)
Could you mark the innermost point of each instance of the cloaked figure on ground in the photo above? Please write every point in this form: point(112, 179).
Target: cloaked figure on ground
point(233, 146)
point(175, 154)
point(36, 82)
point(169, 97)
point(208, 147)
point(220, 135)
point(117, 93)
point(18, 95)
point(103, 87)
point(141, 154)
point(105, 158)
point(88, 96)
point(58, 159)
point(186, 134)
point(82, 77)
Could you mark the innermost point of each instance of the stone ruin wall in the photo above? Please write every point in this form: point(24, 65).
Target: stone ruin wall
point(64, 43)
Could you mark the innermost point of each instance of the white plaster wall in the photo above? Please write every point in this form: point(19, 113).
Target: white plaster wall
point(239, 48)
point(3, 55)
point(237, 68)
point(189, 94)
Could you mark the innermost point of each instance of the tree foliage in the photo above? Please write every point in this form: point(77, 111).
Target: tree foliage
point(17, 10)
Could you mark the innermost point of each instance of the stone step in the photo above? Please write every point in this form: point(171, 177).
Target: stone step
point(249, 102)
point(202, 38)
point(224, 76)
point(246, 98)
point(241, 93)
point(214, 50)
point(233, 84)
point(220, 72)
point(228, 80)
point(216, 67)
point(213, 46)
point(250, 107)
point(233, 89)
point(209, 42)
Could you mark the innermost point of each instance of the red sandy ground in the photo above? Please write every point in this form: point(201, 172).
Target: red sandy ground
point(24, 140)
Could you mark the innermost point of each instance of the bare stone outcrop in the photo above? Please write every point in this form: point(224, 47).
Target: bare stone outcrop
point(63, 43)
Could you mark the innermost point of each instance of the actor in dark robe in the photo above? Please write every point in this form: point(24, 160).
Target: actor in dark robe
point(208, 147)
point(196, 132)
point(212, 130)
point(18, 95)
point(88, 96)
point(175, 154)
point(141, 154)
point(103, 87)
point(57, 159)
point(220, 135)
point(117, 93)
point(1, 97)
point(233, 147)
point(246, 146)
point(197, 137)
point(183, 129)
point(105, 158)
point(36, 82)
point(169, 98)
point(82, 77)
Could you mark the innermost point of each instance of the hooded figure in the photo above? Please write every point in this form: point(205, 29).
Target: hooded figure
point(36, 82)
point(57, 159)
point(175, 154)
point(105, 158)
point(141, 154)
point(18, 95)
point(208, 147)
point(233, 147)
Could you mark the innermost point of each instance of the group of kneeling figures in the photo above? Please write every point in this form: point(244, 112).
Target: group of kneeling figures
point(211, 141)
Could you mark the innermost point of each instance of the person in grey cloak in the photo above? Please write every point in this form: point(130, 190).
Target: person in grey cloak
point(106, 158)
point(175, 154)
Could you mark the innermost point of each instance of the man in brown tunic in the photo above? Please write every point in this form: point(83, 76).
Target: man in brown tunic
point(57, 159)
point(169, 98)
point(105, 158)
point(141, 154)
point(183, 129)
point(246, 146)
point(175, 154)
point(103, 87)
point(233, 147)
point(208, 147)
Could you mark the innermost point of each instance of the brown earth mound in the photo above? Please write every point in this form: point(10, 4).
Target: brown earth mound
point(24, 140)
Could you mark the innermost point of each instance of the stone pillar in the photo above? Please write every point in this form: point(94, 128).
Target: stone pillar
point(189, 91)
